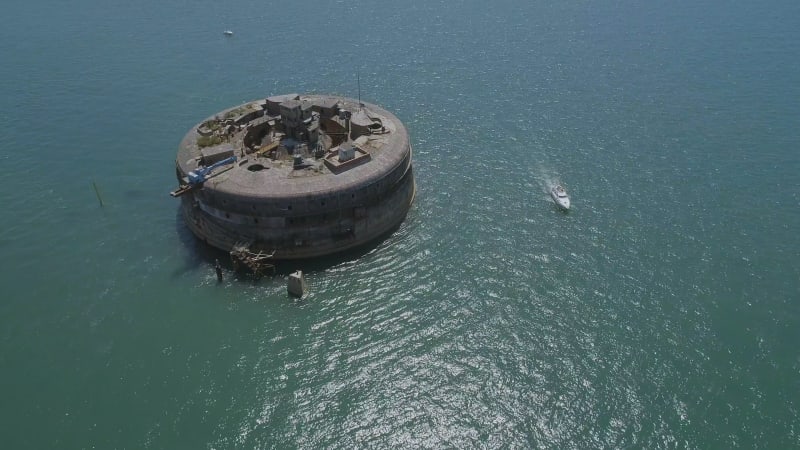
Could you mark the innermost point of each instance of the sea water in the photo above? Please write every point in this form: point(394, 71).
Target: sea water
point(661, 311)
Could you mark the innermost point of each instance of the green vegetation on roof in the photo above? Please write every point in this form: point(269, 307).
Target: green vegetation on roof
point(209, 141)
point(213, 124)
point(239, 111)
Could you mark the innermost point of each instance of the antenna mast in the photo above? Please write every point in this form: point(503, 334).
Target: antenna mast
point(358, 78)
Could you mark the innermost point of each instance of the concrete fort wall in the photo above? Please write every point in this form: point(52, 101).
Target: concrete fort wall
point(294, 236)
point(366, 192)
point(302, 213)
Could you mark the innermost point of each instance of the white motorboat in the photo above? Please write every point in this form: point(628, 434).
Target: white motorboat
point(228, 33)
point(560, 196)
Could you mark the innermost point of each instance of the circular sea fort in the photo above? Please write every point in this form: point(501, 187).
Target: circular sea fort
point(295, 176)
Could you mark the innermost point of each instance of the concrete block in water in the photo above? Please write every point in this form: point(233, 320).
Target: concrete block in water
point(296, 284)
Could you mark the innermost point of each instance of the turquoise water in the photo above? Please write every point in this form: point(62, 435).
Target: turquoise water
point(661, 312)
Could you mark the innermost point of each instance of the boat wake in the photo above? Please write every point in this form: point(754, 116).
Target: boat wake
point(550, 184)
point(547, 180)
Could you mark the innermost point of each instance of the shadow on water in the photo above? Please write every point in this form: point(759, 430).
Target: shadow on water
point(199, 255)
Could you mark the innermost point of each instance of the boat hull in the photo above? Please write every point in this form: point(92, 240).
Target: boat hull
point(561, 202)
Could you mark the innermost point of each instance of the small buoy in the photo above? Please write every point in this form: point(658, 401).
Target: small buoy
point(296, 284)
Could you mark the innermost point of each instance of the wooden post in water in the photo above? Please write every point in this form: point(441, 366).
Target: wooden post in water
point(218, 269)
point(97, 192)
